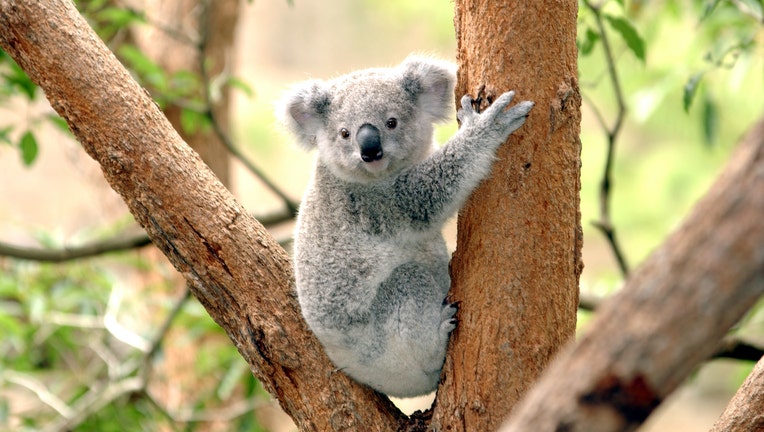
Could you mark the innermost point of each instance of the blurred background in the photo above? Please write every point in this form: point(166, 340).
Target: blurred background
point(110, 341)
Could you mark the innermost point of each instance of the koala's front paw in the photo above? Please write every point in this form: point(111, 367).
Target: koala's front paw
point(495, 120)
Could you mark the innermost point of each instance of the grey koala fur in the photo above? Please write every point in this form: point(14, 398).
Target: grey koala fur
point(370, 260)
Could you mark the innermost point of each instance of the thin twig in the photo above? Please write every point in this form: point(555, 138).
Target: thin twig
point(93, 400)
point(605, 224)
point(116, 244)
point(161, 333)
point(40, 390)
point(68, 254)
point(225, 414)
point(217, 127)
point(735, 348)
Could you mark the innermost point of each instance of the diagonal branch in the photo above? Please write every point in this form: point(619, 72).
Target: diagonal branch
point(744, 411)
point(670, 316)
point(237, 271)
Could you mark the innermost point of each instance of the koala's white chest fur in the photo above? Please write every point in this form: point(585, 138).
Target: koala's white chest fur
point(370, 263)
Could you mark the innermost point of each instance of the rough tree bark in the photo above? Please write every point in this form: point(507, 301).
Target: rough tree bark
point(518, 259)
point(745, 412)
point(670, 315)
point(237, 271)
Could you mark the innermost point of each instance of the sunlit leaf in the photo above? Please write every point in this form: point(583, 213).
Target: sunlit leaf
point(28, 147)
point(58, 122)
point(750, 7)
point(184, 84)
point(192, 121)
point(629, 34)
point(4, 411)
point(710, 121)
point(148, 70)
point(119, 17)
point(590, 40)
point(15, 77)
point(709, 8)
point(690, 88)
point(242, 85)
point(5, 133)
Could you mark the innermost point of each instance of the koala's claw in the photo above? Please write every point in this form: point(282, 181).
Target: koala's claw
point(447, 320)
point(467, 111)
point(509, 120)
point(504, 100)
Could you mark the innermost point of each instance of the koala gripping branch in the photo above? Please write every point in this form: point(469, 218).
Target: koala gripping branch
point(238, 272)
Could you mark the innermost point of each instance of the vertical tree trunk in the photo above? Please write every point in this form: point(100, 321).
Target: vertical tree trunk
point(516, 268)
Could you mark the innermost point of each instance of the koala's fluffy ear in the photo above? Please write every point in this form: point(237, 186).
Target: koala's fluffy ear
point(431, 84)
point(304, 110)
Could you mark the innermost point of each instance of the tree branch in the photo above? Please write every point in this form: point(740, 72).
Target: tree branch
point(238, 272)
point(745, 411)
point(605, 224)
point(80, 252)
point(110, 245)
point(669, 316)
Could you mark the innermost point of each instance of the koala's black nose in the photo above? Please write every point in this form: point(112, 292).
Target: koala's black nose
point(369, 142)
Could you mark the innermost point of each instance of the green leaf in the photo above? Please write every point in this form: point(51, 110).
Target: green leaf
point(629, 34)
point(118, 17)
point(58, 122)
point(710, 121)
point(5, 135)
point(4, 411)
point(709, 8)
point(148, 70)
point(750, 7)
point(192, 121)
point(590, 40)
point(690, 88)
point(242, 85)
point(28, 147)
point(16, 77)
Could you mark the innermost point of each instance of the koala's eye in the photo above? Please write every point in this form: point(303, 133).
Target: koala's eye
point(391, 123)
point(344, 133)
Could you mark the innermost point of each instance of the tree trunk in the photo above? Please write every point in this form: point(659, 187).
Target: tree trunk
point(518, 259)
point(670, 316)
point(238, 272)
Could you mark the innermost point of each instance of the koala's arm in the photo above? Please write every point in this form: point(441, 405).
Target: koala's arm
point(435, 189)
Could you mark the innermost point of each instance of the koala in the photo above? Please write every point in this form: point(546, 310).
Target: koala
point(371, 264)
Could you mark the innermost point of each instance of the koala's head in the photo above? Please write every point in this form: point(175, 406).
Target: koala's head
point(373, 123)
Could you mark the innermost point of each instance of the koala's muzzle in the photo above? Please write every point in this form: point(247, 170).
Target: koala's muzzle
point(370, 143)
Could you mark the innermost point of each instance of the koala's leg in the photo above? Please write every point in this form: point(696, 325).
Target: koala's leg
point(415, 329)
